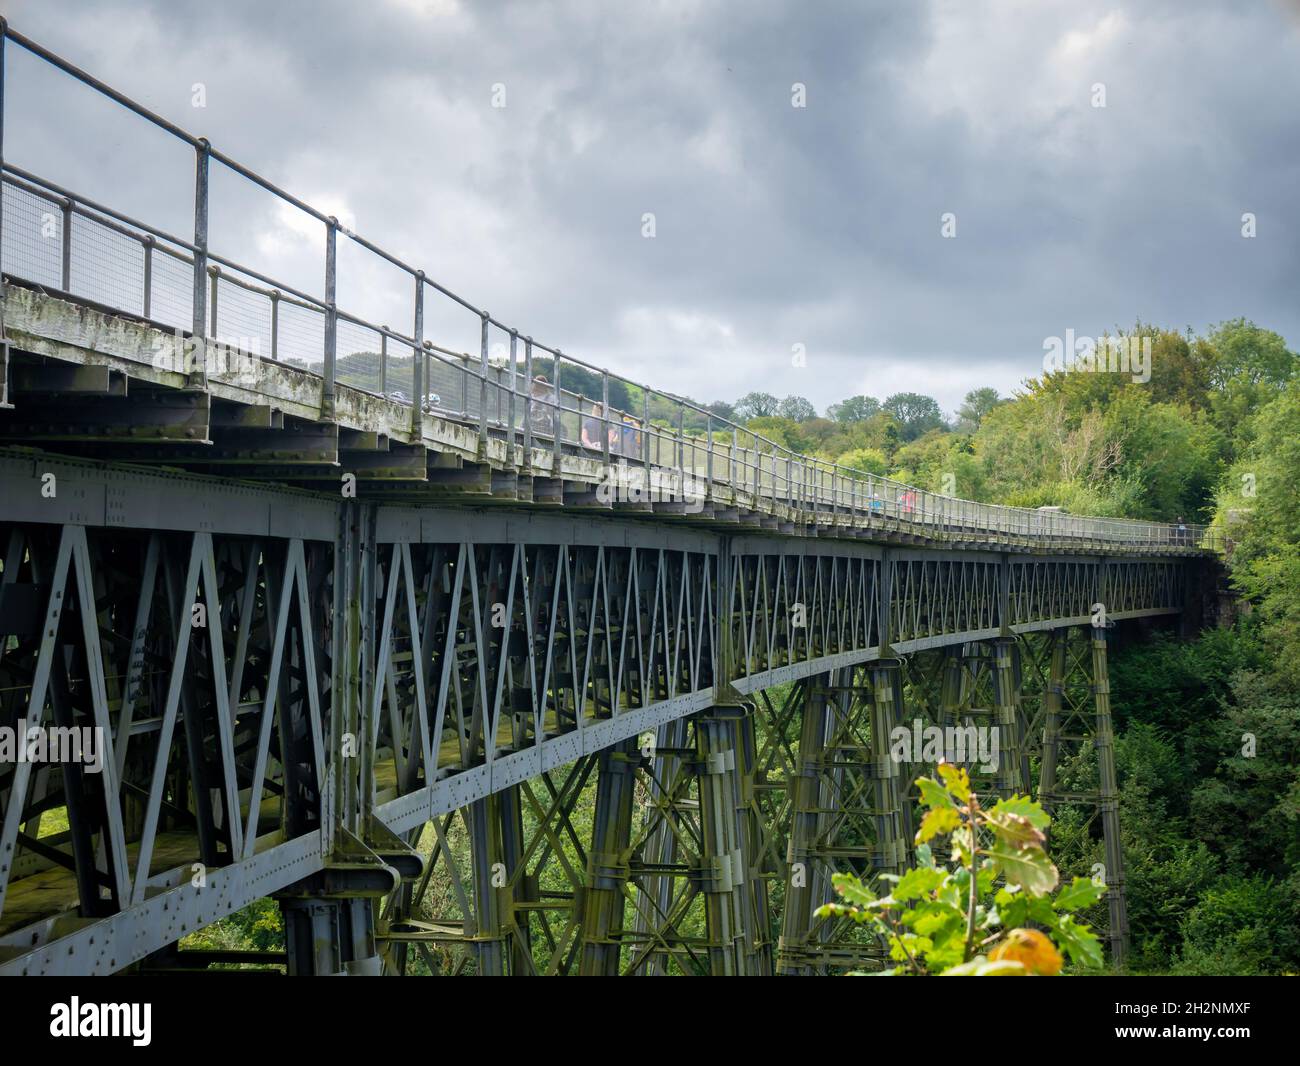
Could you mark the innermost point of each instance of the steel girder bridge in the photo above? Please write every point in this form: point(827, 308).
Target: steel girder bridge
point(539, 672)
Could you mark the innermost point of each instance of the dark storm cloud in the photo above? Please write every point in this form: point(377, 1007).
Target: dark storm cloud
point(775, 226)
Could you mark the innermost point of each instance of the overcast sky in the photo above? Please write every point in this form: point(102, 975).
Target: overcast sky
point(774, 225)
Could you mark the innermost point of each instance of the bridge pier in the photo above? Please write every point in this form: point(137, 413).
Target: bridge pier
point(724, 867)
point(325, 936)
point(891, 846)
point(491, 877)
point(1076, 710)
point(1012, 775)
point(654, 893)
point(806, 884)
point(1053, 692)
point(607, 861)
point(1108, 799)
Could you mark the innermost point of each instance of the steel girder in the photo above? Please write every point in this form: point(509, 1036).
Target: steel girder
point(295, 688)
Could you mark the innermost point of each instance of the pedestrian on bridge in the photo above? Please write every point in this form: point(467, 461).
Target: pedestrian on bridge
point(541, 416)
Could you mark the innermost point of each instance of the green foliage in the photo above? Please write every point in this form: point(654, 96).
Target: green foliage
point(258, 927)
point(854, 409)
point(1243, 926)
point(973, 919)
point(915, 414)
point(757, 405)
point(867, 460)
point(796, 408)
point(978, 403)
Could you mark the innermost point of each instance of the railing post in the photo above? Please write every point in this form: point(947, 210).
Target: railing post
point(198, 375)
point(681, 448)
point(146, 303)
point(528, 402)
point(417, 362)
point(331, 319)
point(645, 432)
point(559, 419)
point(483, 387)
point(213, 272)
point(383, 362)
point(65, 255)
point(604, 416)
point(514, 388)
point(275, 324)
point(708, 457)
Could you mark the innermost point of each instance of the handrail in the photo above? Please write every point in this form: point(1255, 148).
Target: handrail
point(805, 485)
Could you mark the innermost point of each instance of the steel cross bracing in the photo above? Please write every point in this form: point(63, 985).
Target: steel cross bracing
point(387, 716)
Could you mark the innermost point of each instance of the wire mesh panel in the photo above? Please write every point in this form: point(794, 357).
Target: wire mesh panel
point(242, 316)
point(171, 289)
point(397, 370)
point(357, 355)
point(448, 378)
point(300, 336)
point(107, 266)
point(33, 237)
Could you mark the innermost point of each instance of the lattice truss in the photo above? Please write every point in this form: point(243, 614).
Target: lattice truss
point(783, 608)
point(949, 594)
point(506, 689)
point(203, 663)
point(486, 650)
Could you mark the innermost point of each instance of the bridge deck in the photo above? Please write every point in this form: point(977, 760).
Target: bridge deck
point(92, 382)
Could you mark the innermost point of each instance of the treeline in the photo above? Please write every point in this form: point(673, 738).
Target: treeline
point(1097, 443)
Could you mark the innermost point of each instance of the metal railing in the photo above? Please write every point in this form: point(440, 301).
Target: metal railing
point(531, 394)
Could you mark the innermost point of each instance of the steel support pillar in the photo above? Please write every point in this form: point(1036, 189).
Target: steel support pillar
point(329, 936)
point(1053, 691)
point(804, 885)
point(952, 686)
point(660, 848)
point(890, 847)
point(608, 869)
point(491, 876)
point(724, 866)
point(1108, 798)
point(1010, 776)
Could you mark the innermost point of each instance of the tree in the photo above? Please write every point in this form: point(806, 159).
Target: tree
point(866, 460)
point(722, 409)
point(960, 922)
point(854, 409)
point(977, 404)
point(1249, 366)
point(916, 414)
point(796, 408)
point(757, 405)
